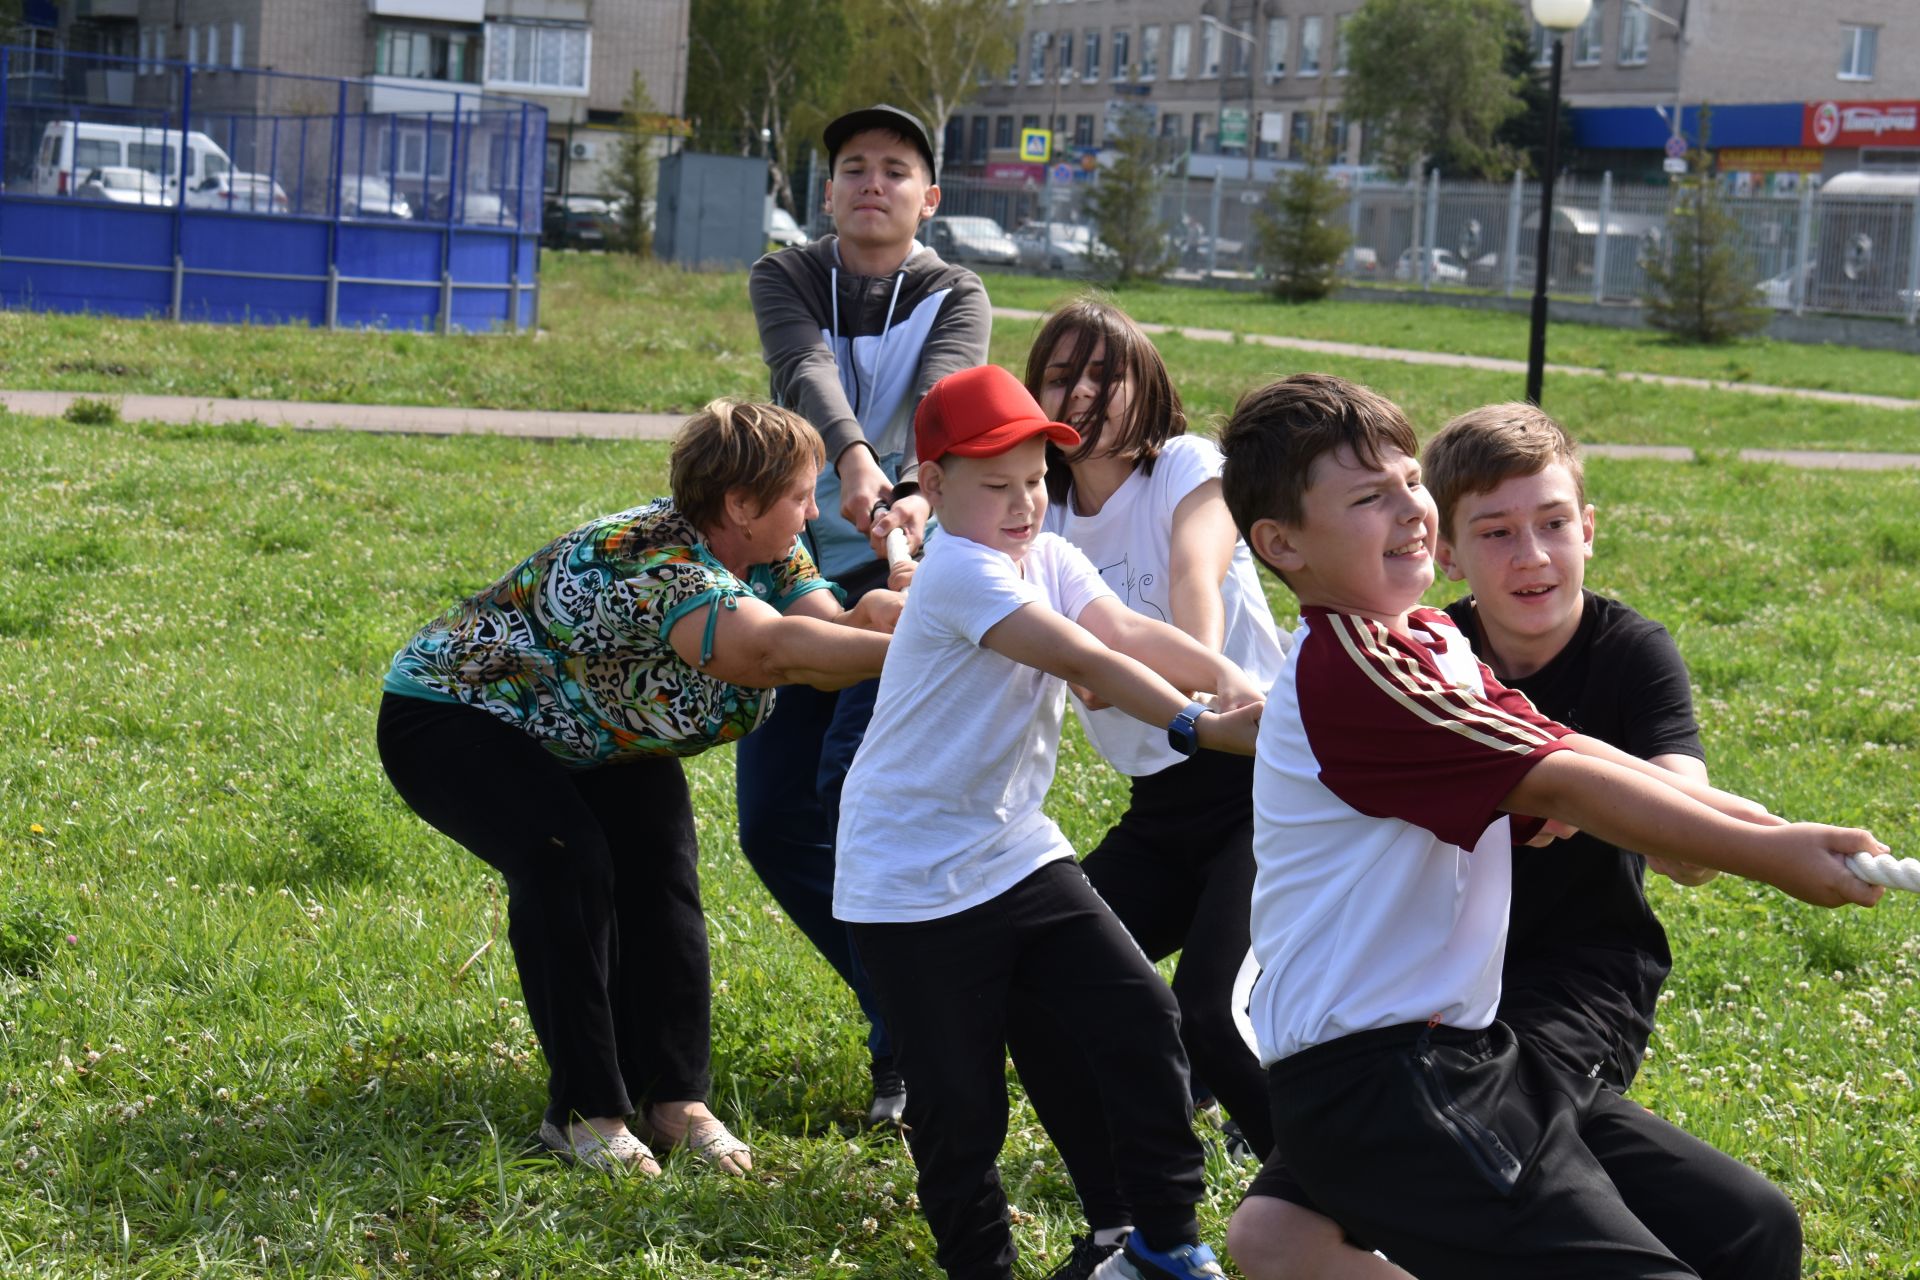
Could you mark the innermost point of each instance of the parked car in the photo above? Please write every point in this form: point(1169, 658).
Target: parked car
point(239, 193)
point(981, 241)
point(1443, 266)
point(1057, 246)
point(577, 222)
point(782, 231)
point(1363, 262)
point(477, 209)
point(365, 196)
point(70, 149)
point(120, 184)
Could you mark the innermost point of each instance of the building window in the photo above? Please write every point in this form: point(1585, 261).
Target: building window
point(1340, 45)
point(1029, 122)
point(1633, 35)
point(1336, 139)
point(1121, 41)
point(1209, 51)
point(421, 53)
point(1587, 37)
point(213, 45)
point(1242, 54)
point(1003, 133)
point(1036, 56)
point(1310, 46)
point(1063, 60)
point(551, 59)
point(1542, 44)
point(193, 45)
point(1302, 139)
point(1279, 35)
point(1201, 139)
point(1857, 48)
point(1083, 131)
point(1091, 47)
point(1149, 53)
point(239, 44)
point(977, 148)
point(1182, 56)
point(1170, 125)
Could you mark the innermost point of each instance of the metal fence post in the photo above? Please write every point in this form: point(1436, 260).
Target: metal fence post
point(1213, 226)
point(1803, 242)
point(335, 181)
point(1913, 258)
point(1353, 230)
point(1510, 259)
point(1600, 241)
point(180, 193)
point(456, 190)
point(1432, 236)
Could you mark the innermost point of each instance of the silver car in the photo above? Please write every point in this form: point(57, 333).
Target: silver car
point(981, 241)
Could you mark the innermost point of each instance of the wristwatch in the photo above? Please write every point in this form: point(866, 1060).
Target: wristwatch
point(1180, 734)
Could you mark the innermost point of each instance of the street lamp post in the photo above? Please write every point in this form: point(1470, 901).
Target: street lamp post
point(1253, 51)
point(1558, 17)
point(1061, 74)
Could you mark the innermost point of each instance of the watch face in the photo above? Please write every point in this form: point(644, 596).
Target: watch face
point(1181, 736)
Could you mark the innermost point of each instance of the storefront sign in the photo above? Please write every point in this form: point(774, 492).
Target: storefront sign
point(1008, 171)
point(1770, 159)
point(1861, 124)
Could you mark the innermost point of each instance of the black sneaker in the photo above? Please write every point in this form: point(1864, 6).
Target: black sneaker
point(889, 1099)
point(1086, 1256)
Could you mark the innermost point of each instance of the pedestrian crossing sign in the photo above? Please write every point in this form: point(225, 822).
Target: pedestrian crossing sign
point(1035, 146)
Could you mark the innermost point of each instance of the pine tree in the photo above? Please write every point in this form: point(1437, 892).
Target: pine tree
point(1703, 287)
point(1125, 203)
point(631, 171)
point(1299, 239)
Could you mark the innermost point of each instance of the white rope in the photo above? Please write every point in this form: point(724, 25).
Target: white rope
point(897, 553)
point(1885, 869)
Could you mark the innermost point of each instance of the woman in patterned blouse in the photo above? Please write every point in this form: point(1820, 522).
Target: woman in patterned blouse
point(540, 722)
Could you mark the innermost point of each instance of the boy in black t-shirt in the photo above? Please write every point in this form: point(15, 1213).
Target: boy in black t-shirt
point(1585, 954)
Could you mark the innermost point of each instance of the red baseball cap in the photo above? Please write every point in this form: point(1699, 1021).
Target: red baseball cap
point(980, 412)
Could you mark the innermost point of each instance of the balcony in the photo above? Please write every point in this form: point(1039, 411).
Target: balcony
point(433, 10)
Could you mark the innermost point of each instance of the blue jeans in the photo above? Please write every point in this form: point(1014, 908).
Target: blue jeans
point(788, 777)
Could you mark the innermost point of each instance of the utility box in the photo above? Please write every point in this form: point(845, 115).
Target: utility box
point(711, 211)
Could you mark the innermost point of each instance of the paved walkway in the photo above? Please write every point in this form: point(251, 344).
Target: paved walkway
point(539, 424)
point(1493, 364)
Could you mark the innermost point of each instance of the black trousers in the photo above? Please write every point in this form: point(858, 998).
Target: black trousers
point(603, 898)
point(1050, 950)
point(1463, 1154)
point(1177, 869)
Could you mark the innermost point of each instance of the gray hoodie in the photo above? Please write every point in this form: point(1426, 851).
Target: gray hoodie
point(854, 355)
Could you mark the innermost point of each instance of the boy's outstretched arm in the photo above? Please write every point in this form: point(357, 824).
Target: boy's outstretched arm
point(1036, 636)
point(1648, 814)
point(1171, 653)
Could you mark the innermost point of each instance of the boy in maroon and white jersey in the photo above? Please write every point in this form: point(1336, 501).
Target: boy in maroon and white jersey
point(1389, 762)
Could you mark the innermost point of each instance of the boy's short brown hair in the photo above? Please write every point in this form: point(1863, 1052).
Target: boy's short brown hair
point(1277, 431)
point(1485, 447)
point(734, 444)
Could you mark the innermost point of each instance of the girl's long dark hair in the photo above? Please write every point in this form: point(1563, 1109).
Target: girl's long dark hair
point(1155, 414)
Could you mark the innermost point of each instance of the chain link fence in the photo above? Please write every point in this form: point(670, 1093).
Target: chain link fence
point(1850, 246)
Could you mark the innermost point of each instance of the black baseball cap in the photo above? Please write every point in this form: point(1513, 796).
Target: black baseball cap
point(880, 116)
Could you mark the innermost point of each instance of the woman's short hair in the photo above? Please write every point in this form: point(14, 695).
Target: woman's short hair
point(735, 444)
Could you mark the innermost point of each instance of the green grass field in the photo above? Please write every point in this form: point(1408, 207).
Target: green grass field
point(257, 1020)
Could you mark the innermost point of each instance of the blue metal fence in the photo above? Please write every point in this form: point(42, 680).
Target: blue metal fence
point(136, 187)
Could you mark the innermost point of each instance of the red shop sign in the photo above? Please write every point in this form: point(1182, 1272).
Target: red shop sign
point(1861, 124)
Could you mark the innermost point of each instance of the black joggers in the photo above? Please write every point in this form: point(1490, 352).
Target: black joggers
point(1046, 949)
point(603, 898)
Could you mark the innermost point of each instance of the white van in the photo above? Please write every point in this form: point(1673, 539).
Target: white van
point(72, 150)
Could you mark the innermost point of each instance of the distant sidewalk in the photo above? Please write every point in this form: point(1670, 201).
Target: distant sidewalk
point(308, 415)
point(1361, 351)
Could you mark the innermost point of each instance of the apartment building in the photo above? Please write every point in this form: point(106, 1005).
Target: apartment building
point(1794, 88)
point(575, 58)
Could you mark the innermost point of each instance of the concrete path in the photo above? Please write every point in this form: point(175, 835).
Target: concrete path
point(1492, 364)
point(318, 416)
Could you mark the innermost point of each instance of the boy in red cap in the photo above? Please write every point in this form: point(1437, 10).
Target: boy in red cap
point(964, 898)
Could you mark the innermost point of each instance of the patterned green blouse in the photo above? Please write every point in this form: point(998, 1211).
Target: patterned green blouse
point(572, 645)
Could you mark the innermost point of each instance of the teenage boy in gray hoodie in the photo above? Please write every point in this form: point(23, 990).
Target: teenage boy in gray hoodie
point(855, 326)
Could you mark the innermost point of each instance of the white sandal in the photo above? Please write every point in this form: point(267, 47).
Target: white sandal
point(710, 1141)
point(584, 1145)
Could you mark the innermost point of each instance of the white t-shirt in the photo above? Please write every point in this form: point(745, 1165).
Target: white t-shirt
point(941, 809)
point(1130, 542)
point(1383, 863)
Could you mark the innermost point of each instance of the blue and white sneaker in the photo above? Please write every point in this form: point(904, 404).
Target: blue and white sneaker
point(1182, 1262)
